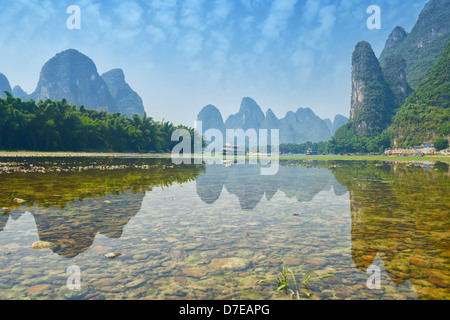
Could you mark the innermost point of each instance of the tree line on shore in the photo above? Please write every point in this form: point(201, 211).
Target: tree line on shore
point(60, 126)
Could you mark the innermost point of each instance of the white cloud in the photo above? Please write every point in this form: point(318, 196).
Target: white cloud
point(191, 12)
point(130, 14)
point(191, 43)
point(277, 21)
point(221, 11)
point(316, 35)
point(163, 14)
point(157, 35)
point(310, 11)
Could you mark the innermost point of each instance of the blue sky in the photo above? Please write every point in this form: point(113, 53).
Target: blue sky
point(182, 55)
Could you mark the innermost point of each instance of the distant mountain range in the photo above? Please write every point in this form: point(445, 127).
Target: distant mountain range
point(296, 127)
point(73, 76)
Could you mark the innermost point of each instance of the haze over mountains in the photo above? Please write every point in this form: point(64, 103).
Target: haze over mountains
point(73, 76)
point(296, 127)
point(381, 87)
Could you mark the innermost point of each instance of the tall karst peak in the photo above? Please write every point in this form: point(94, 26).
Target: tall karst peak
point(19, 93)
point(127, 100)
point(394, 71)
point(73, 76)
point(250, 116)
point(4, 85)
point(271, 121)
point(423, 45)
point(395, 39)
point(425, 115)
point(296, 127)
point(211, 118)
point(373, 103)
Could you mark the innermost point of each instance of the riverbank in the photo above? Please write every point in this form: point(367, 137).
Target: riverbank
point(368, 158)
point(32, 154)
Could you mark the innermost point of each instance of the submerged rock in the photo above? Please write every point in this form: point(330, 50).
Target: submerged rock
point(38, 289)
point(113, 255)
point(40, 245)
point(195, 272)
point(230, 264)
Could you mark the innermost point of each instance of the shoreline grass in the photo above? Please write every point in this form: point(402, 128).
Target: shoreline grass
point(368, 158)
point(31, 154)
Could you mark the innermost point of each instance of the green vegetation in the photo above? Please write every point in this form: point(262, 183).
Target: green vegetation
point(373, 102)
point(370, 158)
point(346, 140)
point(320, 147)
point(425, 116)
point(395, 75)
point(441, 144)
point(423, 119)
point(59, 126)
point(422, 47)
point(292, 286)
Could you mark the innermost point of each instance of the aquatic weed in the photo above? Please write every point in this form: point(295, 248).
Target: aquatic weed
point(291, 286)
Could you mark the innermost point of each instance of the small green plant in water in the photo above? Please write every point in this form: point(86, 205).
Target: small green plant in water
point(293, 287)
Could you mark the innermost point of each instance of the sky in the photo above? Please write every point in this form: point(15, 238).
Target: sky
point(180, 56)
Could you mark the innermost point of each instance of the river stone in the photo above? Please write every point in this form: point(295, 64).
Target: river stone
point(137, 282)
point(195, 272)
point(230, 264)
point(101, 249)
point(418, 262)
point(292, 261)
point(113, 255)
point(39, 245)
point(438, 282)
point(38, 289)
point(316, 261)
point(140, 256)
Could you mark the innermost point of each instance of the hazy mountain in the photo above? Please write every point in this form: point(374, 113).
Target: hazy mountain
point(303, 126)
point(250, 116)
point(339, 121)
point(4, 85)
point(128, 102)
point(18, 92)
point(73, 76)
point(296, 127)
point(271, 121)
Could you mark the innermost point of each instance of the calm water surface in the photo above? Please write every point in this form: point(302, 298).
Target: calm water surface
point(213, 232)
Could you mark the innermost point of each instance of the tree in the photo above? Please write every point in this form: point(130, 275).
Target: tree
point(441, 144)
point(59, 126)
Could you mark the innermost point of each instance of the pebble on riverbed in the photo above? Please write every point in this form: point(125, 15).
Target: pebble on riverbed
point(40, 245)
point(113, 255)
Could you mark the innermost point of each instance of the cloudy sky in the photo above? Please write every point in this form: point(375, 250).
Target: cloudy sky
point(182, 55)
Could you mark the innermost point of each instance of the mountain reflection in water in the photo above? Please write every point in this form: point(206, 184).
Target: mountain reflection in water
point(74, 202)
point(398, 214)
point(246, 183)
